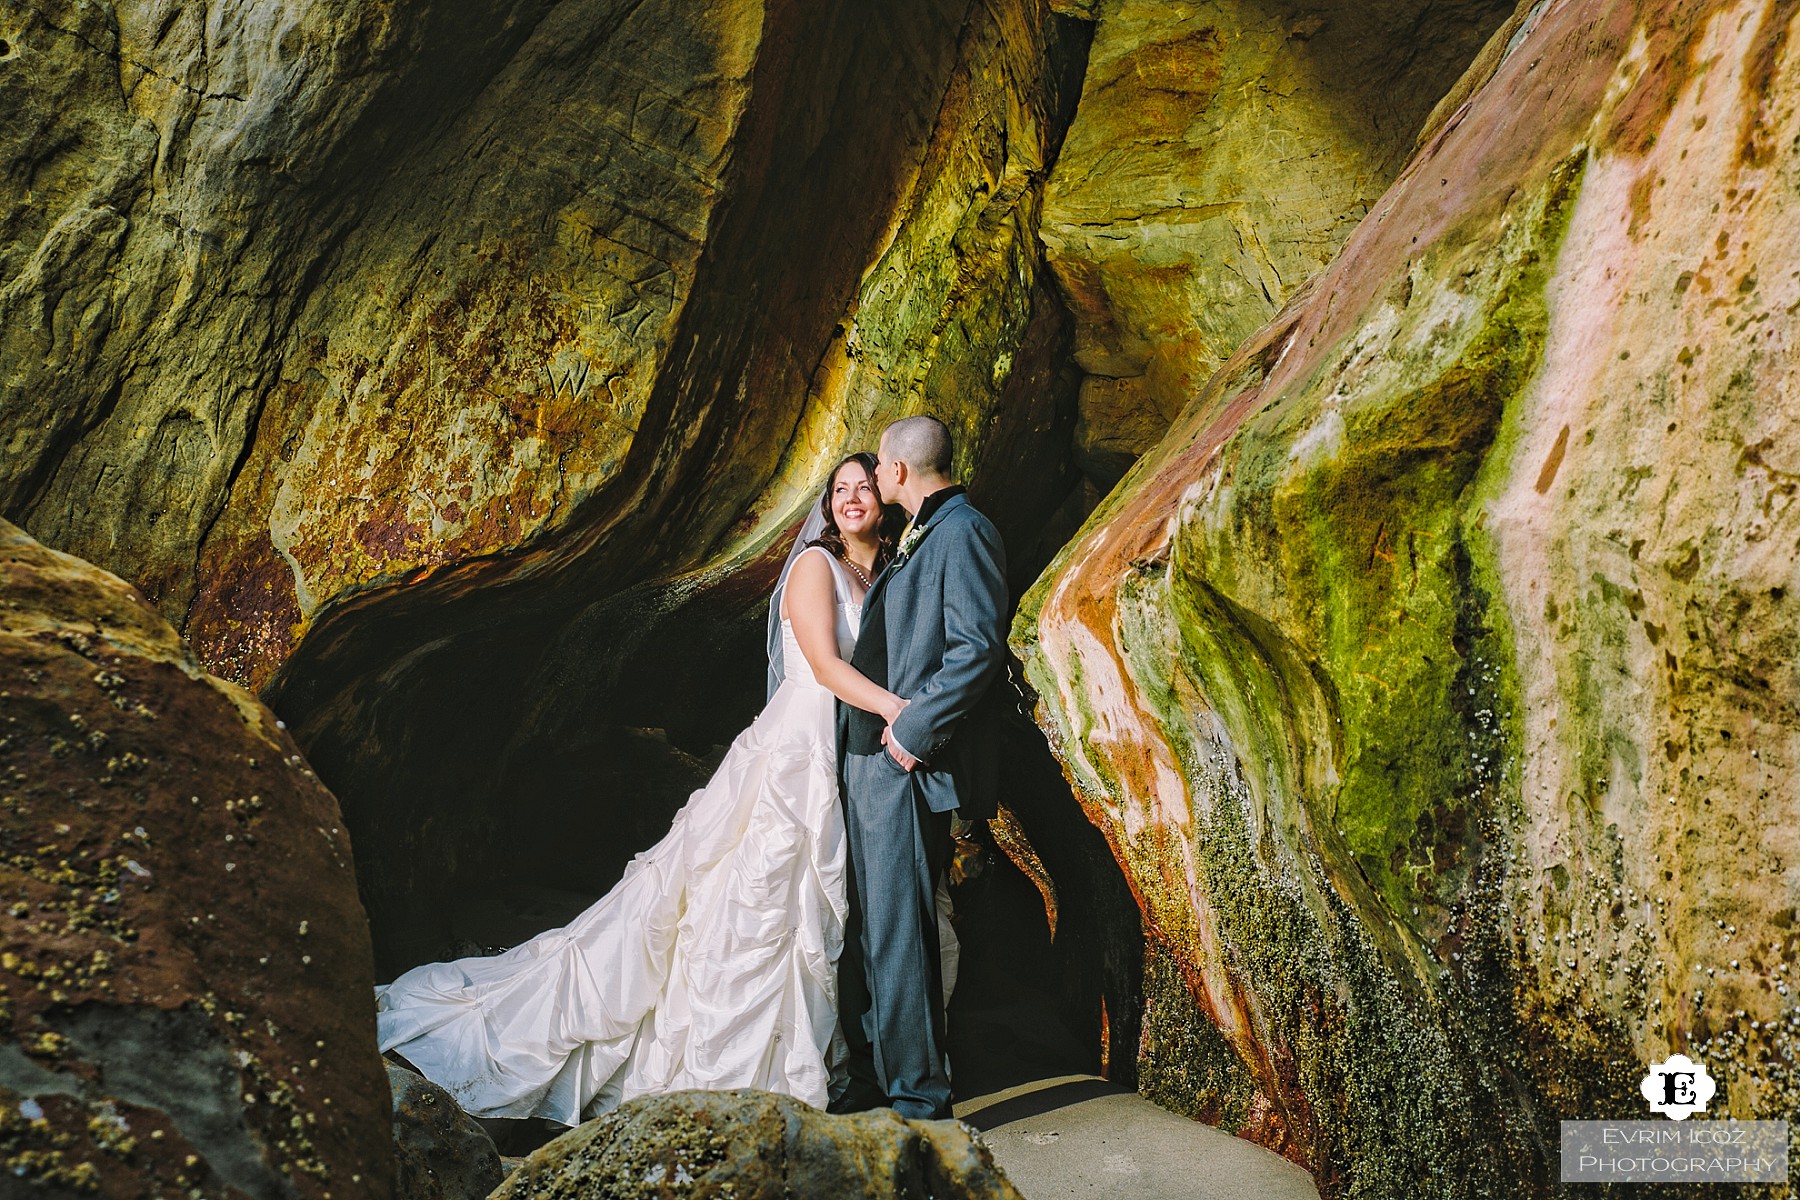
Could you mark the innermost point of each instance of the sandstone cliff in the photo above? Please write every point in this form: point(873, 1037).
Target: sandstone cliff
point(1434, 677)
point(306, 304)
point(452, 375)
point(1221, 154)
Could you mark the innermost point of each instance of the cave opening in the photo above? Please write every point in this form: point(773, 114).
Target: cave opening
point(504, 741)
point(532, 752)
point(505, 736)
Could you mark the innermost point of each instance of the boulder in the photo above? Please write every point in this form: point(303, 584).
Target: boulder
point(440, 1151)
point(752, 1145)
point(185, 971)
point(1435, 678)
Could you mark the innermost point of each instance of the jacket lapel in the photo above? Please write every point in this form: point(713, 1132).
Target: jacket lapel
point(949, 505)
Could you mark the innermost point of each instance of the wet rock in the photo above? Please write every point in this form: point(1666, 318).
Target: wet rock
point(1435, 679)
point(185, 972)
point(440, 1151)
point(757, 1146)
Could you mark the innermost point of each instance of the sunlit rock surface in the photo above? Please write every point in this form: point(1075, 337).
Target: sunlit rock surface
point(307, 303)
point(185, 975)
point(1222, 153)
point(758, 1146)
point(1435, 678)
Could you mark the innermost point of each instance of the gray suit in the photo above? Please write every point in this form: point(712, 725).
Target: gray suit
point(933, 633)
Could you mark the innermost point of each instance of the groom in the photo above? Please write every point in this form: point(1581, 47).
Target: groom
point(933, 632)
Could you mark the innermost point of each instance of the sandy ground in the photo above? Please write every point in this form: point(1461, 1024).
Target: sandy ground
point(1080, 1136)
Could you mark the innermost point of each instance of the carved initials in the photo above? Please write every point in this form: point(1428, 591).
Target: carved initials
point(573, 378)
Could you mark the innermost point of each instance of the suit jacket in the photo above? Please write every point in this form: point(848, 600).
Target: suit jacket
point(943, 610)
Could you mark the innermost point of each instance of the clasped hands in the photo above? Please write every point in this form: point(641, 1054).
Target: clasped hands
point(906, 761)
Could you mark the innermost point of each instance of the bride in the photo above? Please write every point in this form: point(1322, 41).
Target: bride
point(712, 962)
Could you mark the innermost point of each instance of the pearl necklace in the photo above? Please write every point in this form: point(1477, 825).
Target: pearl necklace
point(861, 575)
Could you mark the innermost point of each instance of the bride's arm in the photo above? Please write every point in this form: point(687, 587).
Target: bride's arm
point(811, 600)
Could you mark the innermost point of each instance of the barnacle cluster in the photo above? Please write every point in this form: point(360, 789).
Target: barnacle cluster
point(285, 1123)
point(51, 1152)
point(616, 1157)
point(84, 892)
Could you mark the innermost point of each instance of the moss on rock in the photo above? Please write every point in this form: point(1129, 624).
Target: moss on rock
point(1433, 680)
point(748, 1145)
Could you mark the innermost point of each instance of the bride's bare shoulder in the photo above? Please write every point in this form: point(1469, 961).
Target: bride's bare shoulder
point(811, 585)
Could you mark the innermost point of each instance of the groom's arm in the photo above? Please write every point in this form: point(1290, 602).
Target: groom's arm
point(974, 639)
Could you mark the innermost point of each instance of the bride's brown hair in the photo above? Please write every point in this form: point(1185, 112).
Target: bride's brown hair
point(887, 530)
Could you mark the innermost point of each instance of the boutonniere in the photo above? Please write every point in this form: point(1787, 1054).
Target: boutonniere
point(910, 541)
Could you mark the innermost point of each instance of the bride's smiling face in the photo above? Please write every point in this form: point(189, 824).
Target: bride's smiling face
point(855, 504)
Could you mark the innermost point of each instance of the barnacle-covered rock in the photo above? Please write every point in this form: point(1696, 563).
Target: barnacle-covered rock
point(757, 1146)
point(185, 972)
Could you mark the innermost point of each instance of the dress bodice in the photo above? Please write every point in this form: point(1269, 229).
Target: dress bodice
point(795, 668)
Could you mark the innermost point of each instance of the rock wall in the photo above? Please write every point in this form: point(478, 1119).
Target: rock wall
point(1434, 678)
point(874, 263)
point(185, 974)
point(308, 303)
point(1222, 153)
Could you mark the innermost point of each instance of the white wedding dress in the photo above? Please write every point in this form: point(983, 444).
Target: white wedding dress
point(711, 964)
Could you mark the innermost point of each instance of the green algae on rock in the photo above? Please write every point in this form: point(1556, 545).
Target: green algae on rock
point(185, 970)
point(1433, 677)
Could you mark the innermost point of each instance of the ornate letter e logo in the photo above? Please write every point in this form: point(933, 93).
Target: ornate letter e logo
point(1678, 1088)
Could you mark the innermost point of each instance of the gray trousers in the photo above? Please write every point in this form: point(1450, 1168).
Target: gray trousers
point(894, 860)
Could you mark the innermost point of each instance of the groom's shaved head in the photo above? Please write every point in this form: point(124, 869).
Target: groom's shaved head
point(922, 443)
